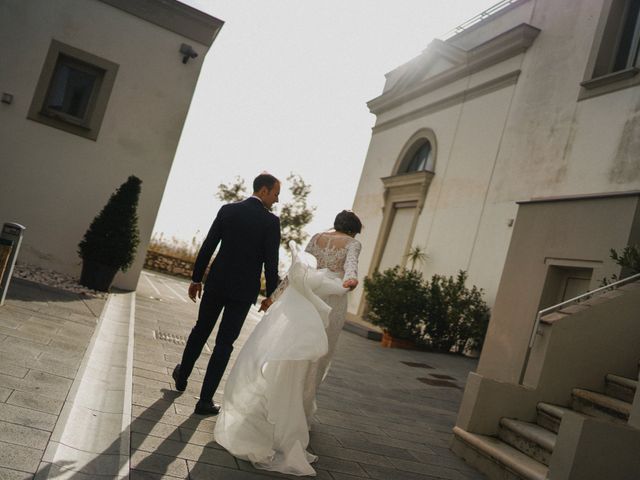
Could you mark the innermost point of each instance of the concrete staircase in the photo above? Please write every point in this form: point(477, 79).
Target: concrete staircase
point(523, 450)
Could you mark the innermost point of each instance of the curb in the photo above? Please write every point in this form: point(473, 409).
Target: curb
point(363, 330)
point(92, 434)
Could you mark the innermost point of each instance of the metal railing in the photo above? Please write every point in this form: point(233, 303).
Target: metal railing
point(479, 18)
point(566, 303)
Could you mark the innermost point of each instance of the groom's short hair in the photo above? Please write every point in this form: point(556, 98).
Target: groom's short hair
point(264, 180)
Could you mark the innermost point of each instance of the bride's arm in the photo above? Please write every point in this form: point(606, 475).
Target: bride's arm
point(350, 278)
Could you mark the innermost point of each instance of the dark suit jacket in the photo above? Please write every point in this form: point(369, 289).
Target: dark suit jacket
point(250, 237)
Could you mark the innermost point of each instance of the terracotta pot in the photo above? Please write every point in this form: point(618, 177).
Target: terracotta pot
point(97, 276)
point(391, 342)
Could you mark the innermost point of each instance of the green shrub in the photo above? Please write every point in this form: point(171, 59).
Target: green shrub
point(112, 237)
point(457, 317)
point(628, 259)
point(441, 314)
point(397, 300)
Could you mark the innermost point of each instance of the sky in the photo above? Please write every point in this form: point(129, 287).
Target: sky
point(284, 89)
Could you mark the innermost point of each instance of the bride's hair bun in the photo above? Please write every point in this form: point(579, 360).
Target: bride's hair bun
point(347, 222)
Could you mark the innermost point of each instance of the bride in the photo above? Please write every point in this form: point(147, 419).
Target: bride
point(269, 397)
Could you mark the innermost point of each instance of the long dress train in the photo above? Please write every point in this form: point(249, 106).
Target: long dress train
point(263, 417)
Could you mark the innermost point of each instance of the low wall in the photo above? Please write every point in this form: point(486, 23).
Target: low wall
point(161, 262)
point(576, 348)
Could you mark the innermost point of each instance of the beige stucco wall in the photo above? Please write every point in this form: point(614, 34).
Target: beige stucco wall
point(574, 350)
point(574, 232)
point(467, 145)
point(532, 139)
point(54, 182)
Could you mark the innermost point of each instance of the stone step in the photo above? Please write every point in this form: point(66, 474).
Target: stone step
point(621, 388)
point(600, 405)
point(531, 439)
point(550, 416)
point(495, 458)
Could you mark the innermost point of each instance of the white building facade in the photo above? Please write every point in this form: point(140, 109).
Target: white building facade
point(92, 91)
point(539, 99)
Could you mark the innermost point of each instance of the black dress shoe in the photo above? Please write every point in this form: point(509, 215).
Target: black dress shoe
point(206, 408)
point(181, 384)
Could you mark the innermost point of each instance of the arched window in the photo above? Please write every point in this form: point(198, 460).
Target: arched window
point(420, 158)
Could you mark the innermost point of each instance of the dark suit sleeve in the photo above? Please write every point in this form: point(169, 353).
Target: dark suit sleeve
point(208, 247)
point(272, 248)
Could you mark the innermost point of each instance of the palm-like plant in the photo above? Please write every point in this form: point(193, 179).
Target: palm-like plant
point(417, 255)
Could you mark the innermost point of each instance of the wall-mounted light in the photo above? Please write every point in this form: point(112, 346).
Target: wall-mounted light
point(187, 52)
point(6, 98)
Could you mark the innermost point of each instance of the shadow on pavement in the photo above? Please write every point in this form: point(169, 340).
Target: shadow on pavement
point(157, 462)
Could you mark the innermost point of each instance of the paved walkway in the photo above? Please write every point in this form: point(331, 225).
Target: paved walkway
point(43, 337)
point(383, 413)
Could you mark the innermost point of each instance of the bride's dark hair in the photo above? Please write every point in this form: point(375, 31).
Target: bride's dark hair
point(347, 222)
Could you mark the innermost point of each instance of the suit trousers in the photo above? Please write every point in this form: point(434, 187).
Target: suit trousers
point(233, 317)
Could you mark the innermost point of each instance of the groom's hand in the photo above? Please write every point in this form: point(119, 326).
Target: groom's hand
point(265, 304)
point(195, 290)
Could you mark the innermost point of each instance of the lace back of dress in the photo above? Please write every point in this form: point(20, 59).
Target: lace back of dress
point(330, 250)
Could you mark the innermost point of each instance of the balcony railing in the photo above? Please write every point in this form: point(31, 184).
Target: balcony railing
point(479, 18)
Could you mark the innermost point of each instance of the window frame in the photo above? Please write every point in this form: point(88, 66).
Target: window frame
point(411, 147)
point(604, 51)
point(411, 157)
point(89, 126)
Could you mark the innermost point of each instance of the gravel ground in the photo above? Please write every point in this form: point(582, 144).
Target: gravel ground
point(53, 279)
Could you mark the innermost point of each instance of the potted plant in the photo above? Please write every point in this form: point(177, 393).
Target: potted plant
point(456, 316)
point(110, 242)
point(397, 303)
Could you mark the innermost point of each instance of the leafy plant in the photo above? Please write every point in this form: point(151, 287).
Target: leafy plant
point(113, 236)
point(457, 317)
point(441, 314)
point(296, 214)
point(417, 254)
point(232, 192)
point(397, 300)
point(629, 258)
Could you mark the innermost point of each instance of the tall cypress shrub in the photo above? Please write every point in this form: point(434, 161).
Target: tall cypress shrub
point(113, 236)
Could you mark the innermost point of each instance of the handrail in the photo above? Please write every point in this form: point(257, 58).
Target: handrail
point(478, 18)
point(571, 301)
point(554, 308)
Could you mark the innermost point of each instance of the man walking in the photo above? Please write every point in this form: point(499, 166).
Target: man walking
point(249, 235)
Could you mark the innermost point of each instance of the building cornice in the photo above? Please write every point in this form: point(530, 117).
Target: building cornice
point(496, 50)
point(468, 94)
point(173, 16)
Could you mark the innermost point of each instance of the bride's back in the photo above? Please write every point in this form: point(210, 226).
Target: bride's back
point(331, 250)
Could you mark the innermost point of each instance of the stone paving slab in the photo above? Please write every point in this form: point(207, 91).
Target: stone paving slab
point(7, 474)
point(375, 420)
point(43, 335)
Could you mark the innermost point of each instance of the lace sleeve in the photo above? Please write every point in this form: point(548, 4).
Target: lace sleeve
point(351, 261)
point(310, 245)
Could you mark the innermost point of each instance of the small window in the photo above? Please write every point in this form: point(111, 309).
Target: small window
point(73, 90)
point(421, 159)
point(73, 87)
point(621, 39)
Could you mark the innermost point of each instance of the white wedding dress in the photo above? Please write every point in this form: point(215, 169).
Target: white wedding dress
point(269, 396)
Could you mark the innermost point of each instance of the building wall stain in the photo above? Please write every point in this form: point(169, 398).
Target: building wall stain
point(626, 162)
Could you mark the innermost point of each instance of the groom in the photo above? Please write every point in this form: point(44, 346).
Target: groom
point(249, 236)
